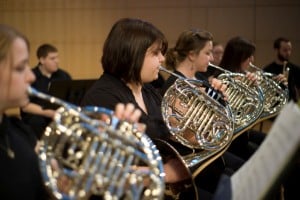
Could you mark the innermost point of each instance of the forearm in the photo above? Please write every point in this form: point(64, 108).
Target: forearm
point(38, 110)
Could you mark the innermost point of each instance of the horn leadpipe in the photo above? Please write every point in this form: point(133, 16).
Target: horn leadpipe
point(219, 68)
point(210, 91)
point(71, 107)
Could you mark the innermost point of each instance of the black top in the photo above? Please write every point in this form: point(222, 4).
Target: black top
point(293, 77)
point(205, 75)
point(294, 83)
point(202, 79)
point(108, 91)
point(275, 68)
point(20, 177)
point(42, 84)
point(170, 81)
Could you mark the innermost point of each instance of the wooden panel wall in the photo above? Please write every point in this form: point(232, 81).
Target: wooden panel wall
point(79, 27)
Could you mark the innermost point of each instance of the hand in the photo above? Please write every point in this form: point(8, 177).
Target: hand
point(130, 114)
point(127, 112)
point(175, 171)
point(218, 85)
point(252, 78)
point(280, 78)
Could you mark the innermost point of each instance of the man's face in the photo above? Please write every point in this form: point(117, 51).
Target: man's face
point(50, 62)
point(284, 52)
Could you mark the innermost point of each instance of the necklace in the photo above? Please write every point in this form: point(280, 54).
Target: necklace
point(7, 148)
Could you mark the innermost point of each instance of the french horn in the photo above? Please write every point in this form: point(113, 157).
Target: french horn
point(88, 152)
point(276, 95)
point(198, 119)
point(245, 98)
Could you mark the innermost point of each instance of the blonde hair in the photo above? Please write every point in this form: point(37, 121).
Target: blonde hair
point(7, 37)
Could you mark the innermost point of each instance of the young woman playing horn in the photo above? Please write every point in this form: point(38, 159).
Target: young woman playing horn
point(191, 54)
point(20, 176)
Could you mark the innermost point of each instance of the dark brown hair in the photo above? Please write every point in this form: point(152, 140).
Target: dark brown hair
point(126, 45)
point(44, 50)
point(236, 51)
point(189, 40)
point(277, 42)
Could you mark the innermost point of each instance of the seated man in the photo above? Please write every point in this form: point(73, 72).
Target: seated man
point(46, 71)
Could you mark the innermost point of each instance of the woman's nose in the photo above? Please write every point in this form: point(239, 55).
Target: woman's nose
point(30, 75)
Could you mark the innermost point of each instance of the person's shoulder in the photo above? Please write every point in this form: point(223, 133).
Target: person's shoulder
point(64, 73)
point(149, 87)
point(293, 65)
point(168, 83)
point(268, 65)
point(153, 92)
point(109, 81)
point(294, 70)
point(272, 67)
point(107, 84)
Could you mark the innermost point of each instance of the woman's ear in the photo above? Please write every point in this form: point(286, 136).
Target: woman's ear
point(41, 60)
point(192, 56)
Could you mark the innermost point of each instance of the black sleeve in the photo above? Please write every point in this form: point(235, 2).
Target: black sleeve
point(103, 98)
point(294, 82)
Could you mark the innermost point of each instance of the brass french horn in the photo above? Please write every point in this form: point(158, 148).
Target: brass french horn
point(276, 95)
point(245, 98)
point(90, 152)
point(198, 120)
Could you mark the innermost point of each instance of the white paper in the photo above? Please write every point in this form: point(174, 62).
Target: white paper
point(257, 175)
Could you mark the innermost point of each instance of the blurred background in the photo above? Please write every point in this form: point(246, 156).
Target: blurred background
point(78, 28)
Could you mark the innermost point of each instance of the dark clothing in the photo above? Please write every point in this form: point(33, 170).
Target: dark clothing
point(228, 163)
point(209, 72)
point(291, 181)
point(293, 77)
point(291, 185)
point(20, 177)
point(158, 83)
point(294, 83)
point(42, 83)
point(171, 79)
point(275, 68)
point(245, 145)
point(224, 190)
point(201, 81)
point(108, 91)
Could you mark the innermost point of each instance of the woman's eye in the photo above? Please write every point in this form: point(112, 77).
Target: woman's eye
point(20, 68)
point(156, 52)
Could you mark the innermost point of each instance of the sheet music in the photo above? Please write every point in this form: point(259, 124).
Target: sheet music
point(257, 175)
